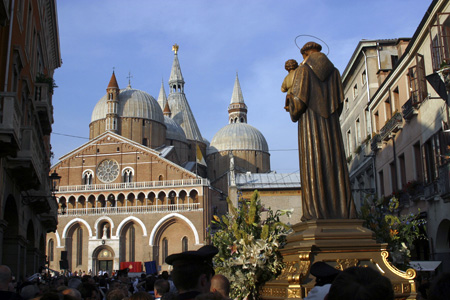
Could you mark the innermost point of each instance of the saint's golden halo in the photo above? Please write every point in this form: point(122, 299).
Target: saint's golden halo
point(307, 35)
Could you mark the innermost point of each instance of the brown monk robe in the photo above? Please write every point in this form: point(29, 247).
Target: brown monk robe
point(316, 101)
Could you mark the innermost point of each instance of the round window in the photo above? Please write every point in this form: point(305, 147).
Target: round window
point(108, 170)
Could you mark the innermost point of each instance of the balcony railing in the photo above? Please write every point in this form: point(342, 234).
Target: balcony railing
point(375, 143)
point(409, 109)
point(9, 123)
point(134, 185)
point(43, 105)
point(149, 209)
point(392, 126)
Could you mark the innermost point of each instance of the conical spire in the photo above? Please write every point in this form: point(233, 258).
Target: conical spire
point(162, 98)
point(237, 97)
point(176, 80)
point(178, 104)
point(167, 111)
point(113, 82)
point(237, 110)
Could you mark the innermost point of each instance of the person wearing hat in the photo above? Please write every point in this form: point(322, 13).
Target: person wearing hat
point(192, 271)
point(325, 274)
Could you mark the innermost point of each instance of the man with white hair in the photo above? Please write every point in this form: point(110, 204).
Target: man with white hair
point(5, 280)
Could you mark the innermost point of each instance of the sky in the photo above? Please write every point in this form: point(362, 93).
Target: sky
point(217, 39)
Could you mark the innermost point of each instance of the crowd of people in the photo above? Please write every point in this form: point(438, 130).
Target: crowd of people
point(193, 278)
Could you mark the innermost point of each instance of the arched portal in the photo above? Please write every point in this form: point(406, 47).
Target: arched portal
point(103, 260)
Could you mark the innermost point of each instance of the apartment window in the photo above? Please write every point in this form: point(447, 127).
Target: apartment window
point(349, 142)
point(396, 98)
point(363, 78)
point(381, 181)
point(388, 108)
point(417, 162)
point(346, 103)
point(393, 172)
point(358, 131)
point(394, 60)
point(355, 91)
point(377, 121)
point(440, 40)
point(431, 157)
point(417, 82)
point(402, 165)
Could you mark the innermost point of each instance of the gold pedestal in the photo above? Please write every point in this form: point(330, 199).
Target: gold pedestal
point(340, 243)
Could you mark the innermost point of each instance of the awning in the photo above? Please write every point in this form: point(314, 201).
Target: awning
point(424, 265)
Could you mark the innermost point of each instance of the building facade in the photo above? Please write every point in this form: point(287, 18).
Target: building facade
point(369, 64)
point(409, 117)
point(29, 55)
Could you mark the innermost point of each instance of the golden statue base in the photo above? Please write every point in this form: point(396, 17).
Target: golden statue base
point(340, 243)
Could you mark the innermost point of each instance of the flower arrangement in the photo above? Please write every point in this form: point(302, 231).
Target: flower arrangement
point(249, 246)
point(398, 231)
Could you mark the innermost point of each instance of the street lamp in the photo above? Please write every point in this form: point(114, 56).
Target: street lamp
point(54, 179)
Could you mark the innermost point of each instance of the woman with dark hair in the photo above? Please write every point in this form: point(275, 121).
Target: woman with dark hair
point(361, 283)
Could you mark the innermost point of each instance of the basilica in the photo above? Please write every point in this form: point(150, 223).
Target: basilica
point(147, 183)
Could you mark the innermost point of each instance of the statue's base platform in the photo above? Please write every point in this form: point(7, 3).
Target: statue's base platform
point(341, 244)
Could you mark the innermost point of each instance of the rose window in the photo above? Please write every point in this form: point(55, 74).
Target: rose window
point(108, 170)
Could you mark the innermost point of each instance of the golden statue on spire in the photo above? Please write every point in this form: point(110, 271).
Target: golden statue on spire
point(175, 48)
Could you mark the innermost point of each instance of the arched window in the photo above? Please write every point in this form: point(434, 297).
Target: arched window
point(79, 246)
point(128, 175)
point(87, 177)
point(161, 178)
point(50, 250)
point(131, 243)
point(165, 249)
point(184, 244)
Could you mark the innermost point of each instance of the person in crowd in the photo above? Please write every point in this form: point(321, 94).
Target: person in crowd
point(221, 285)
point(89, 291)
point(73, 293)
point(440, 288)
point(29, 291)
point(325, 274)
point(141, 296)
point(192, 271)
point(5, 280)
point(362, 283)
point(160, 287)
point(116, 294)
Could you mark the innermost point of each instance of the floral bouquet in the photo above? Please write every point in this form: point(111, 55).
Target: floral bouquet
point(249, 244)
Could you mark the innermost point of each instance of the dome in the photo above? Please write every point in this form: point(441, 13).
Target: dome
point(238, 136)
point(174, 131)
point(133, 104)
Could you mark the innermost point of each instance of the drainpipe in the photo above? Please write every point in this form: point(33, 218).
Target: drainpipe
point(8, 53)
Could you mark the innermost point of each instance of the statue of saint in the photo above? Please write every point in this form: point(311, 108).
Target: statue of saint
point(315, 100)
point(105, 232)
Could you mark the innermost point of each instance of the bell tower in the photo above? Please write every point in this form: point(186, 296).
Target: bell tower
point(237, 110)
point(112, 103)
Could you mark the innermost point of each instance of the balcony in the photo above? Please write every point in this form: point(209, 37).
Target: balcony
point(375, 144)
point(133, 185)
point(392, 126)
point(409, 109)
point(9, 124)
point(144, 209)
point(43, 105)
point(28, 165)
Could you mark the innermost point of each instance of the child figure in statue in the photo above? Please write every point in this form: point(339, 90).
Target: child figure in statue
point(290, 66)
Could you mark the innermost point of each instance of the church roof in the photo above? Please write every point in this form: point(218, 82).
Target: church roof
point(174, 131)
point(113, 82)
point(175, 74)
point(132, 103)
point(237, 96)
point(238, 136)
point(262, 181)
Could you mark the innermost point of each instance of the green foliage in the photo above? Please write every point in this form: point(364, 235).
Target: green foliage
point(249, 245)
point(42, 78)
point(398, 231)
